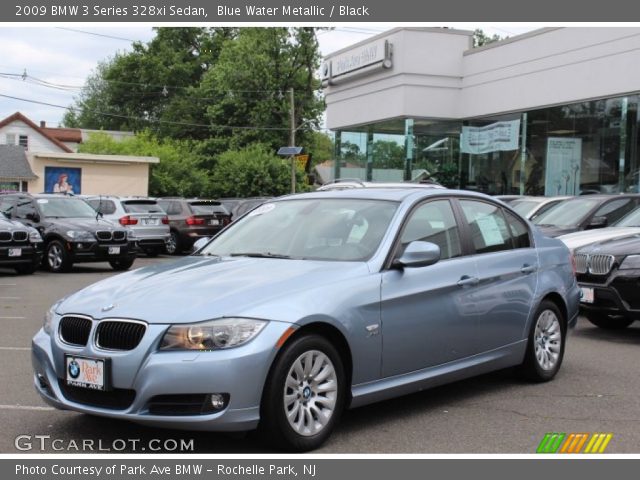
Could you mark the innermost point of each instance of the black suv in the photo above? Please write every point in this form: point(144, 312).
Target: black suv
point(608, 274)
point(191, 219)
point(72, 231)
point(20, 246)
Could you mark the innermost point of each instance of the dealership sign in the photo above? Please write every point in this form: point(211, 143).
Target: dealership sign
point(496, 137)
point(372, 55)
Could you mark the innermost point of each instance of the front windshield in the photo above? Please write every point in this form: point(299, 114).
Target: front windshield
point(523, 207)
point(631, 219)
point(313, 229)
point(569, 213)
point(65, 207)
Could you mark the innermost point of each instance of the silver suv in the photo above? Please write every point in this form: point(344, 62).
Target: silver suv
point(144, 216)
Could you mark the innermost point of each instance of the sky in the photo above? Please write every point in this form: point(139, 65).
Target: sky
point(66, 56)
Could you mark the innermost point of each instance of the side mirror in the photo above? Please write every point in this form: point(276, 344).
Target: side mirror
point(34, 217)
point(418, 254)
point(201, 242)
point(598, 222)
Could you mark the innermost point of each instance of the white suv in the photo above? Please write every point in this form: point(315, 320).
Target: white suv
point(143, 216)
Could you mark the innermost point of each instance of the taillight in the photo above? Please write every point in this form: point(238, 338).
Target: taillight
point(226, 220)
point(195, 221)
point(127, 220)
point(165, 220)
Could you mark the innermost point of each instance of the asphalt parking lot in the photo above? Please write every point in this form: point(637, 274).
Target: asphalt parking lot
point(597, 390)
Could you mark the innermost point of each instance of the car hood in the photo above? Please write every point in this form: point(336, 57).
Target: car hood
point(90, 224)
point(202, 288)
point(623, 246)
point(580, 239)
point(6, 224)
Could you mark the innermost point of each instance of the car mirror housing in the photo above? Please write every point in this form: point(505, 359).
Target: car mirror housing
point(418, 254)
point(598, 222)
point(34, 217)
point(201, 242)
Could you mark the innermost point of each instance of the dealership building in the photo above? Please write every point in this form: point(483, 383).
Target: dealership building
point(551, 112)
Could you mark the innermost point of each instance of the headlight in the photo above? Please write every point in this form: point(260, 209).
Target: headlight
point(80, 235)
point(48, 319)
point(212, 335)
point(34, 236)
point(631, 261)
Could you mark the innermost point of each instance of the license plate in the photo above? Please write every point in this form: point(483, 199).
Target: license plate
point(149, 221)
point(586, 295)
point(85, 372)
point(114, 250)
point(215, 221)
point(15, 252)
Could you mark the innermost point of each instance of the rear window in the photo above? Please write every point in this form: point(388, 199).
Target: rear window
point(141, 206)
point(207, 208)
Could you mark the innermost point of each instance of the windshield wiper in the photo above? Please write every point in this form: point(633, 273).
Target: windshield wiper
point(206, 254)
point(259, 255)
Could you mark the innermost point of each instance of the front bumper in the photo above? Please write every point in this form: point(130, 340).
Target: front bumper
point(99, 252)
point(238, 372)
point(617, 295)
point(30, 254)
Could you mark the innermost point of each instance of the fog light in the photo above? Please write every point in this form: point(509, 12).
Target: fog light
point(42, 381)
point(218, 401)
point(80, 246)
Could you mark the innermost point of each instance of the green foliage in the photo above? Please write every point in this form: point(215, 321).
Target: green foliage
point(252, 171)
point(388, 154)
point(178, 173)
point(480, 38)
point(320, 147)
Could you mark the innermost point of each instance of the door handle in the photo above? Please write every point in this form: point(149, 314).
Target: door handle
point(467, 280)
point(527, 269)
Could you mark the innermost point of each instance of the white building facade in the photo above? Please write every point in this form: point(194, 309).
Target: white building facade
point(551, 112)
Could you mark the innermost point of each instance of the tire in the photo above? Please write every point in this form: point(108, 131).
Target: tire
point(26, 269)
point(122, 265)
point(546, 344)
point(56, 259)
point(173, 246)
point(151, 252)
point(607, 321)
point(314, 407)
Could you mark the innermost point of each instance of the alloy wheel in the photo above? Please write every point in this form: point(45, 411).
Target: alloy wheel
point(54, 257)
point(547, 340)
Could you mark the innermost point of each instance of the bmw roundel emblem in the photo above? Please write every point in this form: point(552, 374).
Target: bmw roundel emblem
point(108, 307)
point(74, 369)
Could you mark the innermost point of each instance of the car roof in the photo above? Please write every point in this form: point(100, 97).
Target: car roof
point(390, 194)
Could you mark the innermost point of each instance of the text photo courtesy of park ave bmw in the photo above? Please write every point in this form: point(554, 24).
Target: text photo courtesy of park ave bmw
point(293, 239)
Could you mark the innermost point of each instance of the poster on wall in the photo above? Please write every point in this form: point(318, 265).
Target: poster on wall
point(62, 180)
point(564, 156)
point(497, 137)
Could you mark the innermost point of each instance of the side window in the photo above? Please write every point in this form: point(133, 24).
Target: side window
point(107, 207)
point(24, 207)
point(616, 209)
point(489, 231)
point(519, 231)
point(434, 222)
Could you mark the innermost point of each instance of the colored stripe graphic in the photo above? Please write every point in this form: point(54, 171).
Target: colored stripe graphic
point(554, 442)
point(551, 442)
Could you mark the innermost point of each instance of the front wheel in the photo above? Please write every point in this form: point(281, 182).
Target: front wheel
point(608, 322)
point(56, 258)
point(545, 348)
point(304, 394)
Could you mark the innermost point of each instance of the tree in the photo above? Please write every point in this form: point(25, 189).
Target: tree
point(388, 154)
point(178, 173)
point(480, 38)
point(252, 171)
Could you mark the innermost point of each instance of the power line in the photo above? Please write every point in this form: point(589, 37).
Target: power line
point(97, 34)
point(139, 119)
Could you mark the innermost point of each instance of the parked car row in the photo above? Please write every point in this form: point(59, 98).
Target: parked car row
point(62, 230)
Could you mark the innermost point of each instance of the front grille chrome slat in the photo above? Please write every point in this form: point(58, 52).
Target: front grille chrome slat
point(600, 264)
point(582, 263)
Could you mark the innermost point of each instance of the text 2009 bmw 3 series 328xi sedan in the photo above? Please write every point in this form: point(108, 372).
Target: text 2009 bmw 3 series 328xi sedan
point(311, 304)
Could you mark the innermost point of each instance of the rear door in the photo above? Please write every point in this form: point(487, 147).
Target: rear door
point(507, 263)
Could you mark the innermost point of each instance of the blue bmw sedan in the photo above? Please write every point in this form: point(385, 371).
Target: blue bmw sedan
point(308, 305)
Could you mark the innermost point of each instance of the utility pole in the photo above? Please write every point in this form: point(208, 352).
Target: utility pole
point(292, 138)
